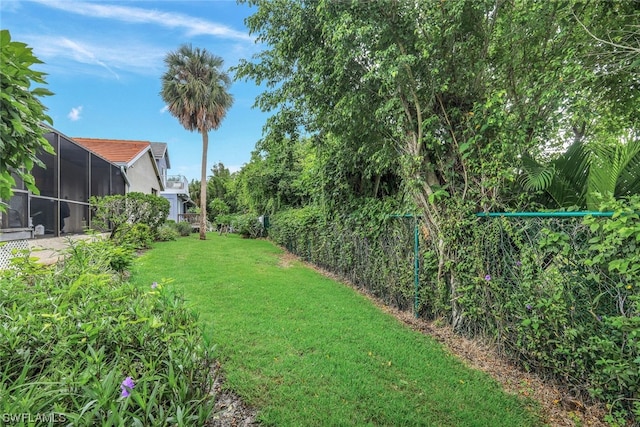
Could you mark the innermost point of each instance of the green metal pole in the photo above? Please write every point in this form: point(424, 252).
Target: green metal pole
point(416, 273)
point(416, 259)
point(544, 214)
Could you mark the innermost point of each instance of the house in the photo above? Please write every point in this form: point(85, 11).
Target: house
point(176, 187)
point(69, 178)
point(146, 165)
point(135, 157)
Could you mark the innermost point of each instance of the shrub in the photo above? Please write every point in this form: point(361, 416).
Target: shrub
point(139, 236)
point(86, 348)
point(168, 232)
point(248, 226)
point(184, 228)
point(119, 213)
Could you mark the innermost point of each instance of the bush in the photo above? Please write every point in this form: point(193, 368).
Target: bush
point(248, 226)
point(168, 232)
point(85, 348)
point(139, 236)
point(119, 213)
point(184, 228)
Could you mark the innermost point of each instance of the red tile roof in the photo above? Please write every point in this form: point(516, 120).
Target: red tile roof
point(114, 150)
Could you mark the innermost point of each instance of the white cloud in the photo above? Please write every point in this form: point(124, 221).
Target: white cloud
point(10, 6)
point(74, 114)
point(164, 109)
point(83, 53)
point(139, 57)
point(192, 25)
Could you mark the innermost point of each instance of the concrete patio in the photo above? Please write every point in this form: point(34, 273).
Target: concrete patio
point(48, 250)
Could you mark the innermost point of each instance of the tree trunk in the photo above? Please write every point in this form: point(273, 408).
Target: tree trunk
point(203, 186)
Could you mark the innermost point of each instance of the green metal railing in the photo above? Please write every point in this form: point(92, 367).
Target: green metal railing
point(543, 214)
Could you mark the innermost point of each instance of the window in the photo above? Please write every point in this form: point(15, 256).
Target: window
point(47, 178)
point(74, 171)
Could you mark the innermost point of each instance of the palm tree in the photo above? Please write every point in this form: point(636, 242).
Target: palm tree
point(195, 91)
point(583, 172)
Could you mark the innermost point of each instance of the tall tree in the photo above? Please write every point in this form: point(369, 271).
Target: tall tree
point(460, 88)
point(195, 90)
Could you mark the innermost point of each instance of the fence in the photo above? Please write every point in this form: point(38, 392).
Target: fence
point(538, 285)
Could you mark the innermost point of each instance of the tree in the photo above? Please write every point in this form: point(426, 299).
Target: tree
point(218, 191)
point(196, 92)
point(194, 191)
point(21, 112)
point(453, 92)
point(584, 173)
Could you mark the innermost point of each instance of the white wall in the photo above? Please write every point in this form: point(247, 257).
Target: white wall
point(142, 176)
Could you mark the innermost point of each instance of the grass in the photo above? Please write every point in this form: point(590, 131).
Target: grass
point(306, 350)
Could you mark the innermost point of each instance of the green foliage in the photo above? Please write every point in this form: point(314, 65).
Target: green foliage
point(217, 207)
point(248, 226)
point(138, 236)
point(77, 332)
point(97, 254)
point(184, 228)
point(169, 231)
point(368, 247)
point(21, 112)
point(562, 296)
point(584, 172)
point(121, 213)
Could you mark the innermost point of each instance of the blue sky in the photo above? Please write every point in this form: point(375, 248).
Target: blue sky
point(105, 58)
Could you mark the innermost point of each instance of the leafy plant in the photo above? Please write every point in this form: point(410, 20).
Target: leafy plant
point(87, 348)
point(21, 113)
point(248, 225)
point(120, 213)
point(139, 236)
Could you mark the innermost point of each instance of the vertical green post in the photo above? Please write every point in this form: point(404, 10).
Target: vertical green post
point(416, 260)
point(416, 272)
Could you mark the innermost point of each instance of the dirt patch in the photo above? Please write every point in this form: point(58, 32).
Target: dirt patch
point(287, 260)
point(230, 410)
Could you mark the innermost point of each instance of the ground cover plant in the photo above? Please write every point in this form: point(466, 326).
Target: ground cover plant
point(306, 350)
point(80, 346)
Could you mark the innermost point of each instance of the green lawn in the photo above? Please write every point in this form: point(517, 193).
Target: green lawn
point(308, 351)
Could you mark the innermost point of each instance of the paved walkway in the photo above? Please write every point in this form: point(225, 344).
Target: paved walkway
point(51, 250)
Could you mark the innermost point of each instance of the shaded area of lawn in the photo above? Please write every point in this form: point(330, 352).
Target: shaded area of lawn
point(306, 350)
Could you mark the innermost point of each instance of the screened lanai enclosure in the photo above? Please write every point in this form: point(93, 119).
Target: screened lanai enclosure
point(66, 182)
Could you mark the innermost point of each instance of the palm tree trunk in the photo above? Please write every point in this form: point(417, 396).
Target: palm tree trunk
point(203, 186)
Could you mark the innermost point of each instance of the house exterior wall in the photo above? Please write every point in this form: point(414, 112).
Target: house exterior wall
point(142, 176)
point(162, 167)
point(174, 206)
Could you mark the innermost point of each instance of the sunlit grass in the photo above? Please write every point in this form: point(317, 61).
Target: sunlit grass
point(306, 350)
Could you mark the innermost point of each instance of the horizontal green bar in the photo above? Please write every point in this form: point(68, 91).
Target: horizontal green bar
point(544, 214)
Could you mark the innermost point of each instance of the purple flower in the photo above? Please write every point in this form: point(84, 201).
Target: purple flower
point(154, 285)
point(487, 277)
point(126, 386)
point(529, 307)
point(518, 263)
